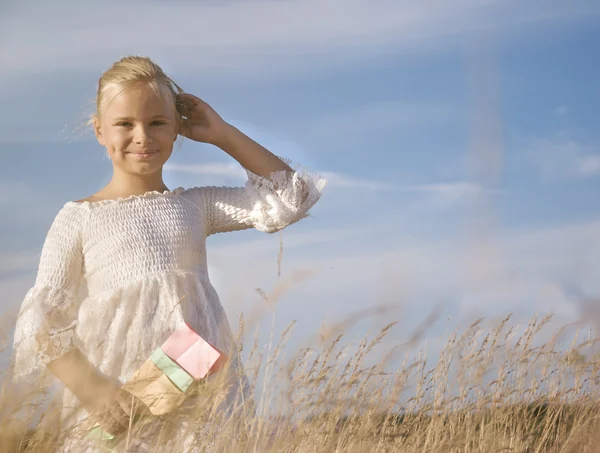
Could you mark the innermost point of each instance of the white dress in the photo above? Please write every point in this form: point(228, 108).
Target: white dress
point(143, 258)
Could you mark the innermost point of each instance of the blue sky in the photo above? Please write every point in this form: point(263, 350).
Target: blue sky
point(460, 141)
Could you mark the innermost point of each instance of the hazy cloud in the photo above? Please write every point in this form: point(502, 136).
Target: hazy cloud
point(588, 165)
point(227, 37)
point(560, 157)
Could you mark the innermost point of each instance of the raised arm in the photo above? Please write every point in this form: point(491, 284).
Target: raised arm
point(202, 123)
point(275, 195)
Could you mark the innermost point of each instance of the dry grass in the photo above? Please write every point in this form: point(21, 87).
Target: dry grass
point(491, 389)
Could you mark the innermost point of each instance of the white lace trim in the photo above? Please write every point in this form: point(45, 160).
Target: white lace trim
point(44, 331)
point(283, 198)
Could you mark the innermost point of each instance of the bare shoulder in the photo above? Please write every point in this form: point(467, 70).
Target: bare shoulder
point(91, 199)
point(83, 200)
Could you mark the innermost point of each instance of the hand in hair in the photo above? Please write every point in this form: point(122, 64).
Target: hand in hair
point(200, 122)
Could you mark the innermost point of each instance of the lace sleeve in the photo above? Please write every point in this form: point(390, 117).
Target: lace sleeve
point(48, 315)
point(267, 204)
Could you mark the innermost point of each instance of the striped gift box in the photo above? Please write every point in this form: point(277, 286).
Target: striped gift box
point(163, 380)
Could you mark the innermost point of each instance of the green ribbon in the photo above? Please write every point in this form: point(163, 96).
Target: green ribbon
point(177, 375)
point(107, 440)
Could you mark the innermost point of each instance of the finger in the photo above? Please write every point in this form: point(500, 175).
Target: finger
point(181, 107)
point(109, 424)
point(113, 417)
point(191, 100)
point(131, 404)
point(113, 428)
point(186, 111)
point(184, 129)
point(189, 97)
point(120, 416)
point(187, 101)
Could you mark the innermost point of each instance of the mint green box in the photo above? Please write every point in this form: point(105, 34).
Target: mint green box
point(181, 378)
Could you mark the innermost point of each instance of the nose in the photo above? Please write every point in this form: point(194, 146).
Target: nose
point(143, 135)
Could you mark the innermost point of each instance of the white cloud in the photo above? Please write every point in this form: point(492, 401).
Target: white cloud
point(526, 272)
point(224, 173)
point(344, 181)
point(16, 200)
point(255, 37)
point(13, 292)
point(447, 190)
point(588, 165)
point(538, 270)
point(16, 193)
point(385, 115)
point(19, 261)
point(561, 110)
point(561, 157)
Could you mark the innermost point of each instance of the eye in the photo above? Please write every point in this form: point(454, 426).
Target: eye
point(124, 124)
point(158, 122)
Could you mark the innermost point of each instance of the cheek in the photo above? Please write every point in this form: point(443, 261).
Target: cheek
point(118, 138)
point(166, 136)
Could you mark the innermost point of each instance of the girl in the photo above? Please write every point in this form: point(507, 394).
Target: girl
point(140, 248)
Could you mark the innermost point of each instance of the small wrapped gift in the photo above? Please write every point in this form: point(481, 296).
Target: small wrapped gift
point(163, 380)
point(160, 383)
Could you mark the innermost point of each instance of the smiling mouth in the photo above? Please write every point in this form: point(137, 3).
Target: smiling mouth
point(143, 154)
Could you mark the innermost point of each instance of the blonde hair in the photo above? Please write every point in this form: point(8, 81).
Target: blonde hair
point(129, 71)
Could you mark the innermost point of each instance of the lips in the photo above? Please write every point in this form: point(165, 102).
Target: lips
point(141, 154)
point(144, 155)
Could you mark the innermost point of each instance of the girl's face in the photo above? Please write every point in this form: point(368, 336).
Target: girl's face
point(138, 121)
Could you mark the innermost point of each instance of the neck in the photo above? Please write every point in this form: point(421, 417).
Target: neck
point(135, 185)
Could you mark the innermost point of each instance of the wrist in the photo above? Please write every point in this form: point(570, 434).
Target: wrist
point(223, 136)
point(96, 390)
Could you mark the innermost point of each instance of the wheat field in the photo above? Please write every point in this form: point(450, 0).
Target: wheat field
point(492, 388)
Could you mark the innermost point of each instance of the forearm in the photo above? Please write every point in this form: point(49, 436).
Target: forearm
point(249, 153)
point(80, 376)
